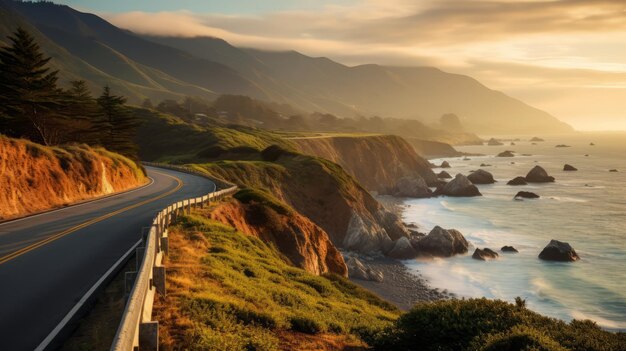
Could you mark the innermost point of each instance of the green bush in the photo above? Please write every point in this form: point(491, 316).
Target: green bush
point(492, 324)
point(305, 325)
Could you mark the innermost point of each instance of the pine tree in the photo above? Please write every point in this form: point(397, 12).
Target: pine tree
point(81, 110)
point(29, 97)
point(116, 126)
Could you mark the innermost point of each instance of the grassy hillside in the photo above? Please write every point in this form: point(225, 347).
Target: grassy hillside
point(228, 291)
point(34, 177)
point(163, 137)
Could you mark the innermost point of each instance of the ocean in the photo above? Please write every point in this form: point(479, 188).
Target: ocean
point(586, 208)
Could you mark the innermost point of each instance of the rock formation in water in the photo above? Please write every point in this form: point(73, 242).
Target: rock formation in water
point(538, 175)
point(517, 181)
point(414, 187)
point(443, 243)
point(507, 248)
point(569, 168)
point(444, 175)
point(506, 153)
point(559, 251)
point(526, 195)
point(481, 177)
point(459, 186)
point(484, 254)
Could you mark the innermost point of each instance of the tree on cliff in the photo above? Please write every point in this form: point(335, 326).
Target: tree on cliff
point(81, 111)
point(116, 126)
point(29, 97)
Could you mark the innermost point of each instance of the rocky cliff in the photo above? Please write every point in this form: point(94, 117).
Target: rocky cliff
point(376, 161)
point(36, 178)
point(305, 244)
point(323, 192)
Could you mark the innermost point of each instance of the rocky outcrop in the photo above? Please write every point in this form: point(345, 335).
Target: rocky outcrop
point(444, 175)
point(402, 249)
point(378, 162)
point(358, 270)
point(563, 145)
point(445, 164)
point(494, 142)
point(569, 168)
point(526, 195)
point(305, 244)
point(536, 139)
point(481, 177)
point(517, 181)
point(613, 170)
point(460, 186)
point(484, 254)
point(538, 175)
point(35, 178)
point(322, 191)
point(443, 243)
point(509, 249)
point(506, 153)
point(433, 149)
point(414, 187)
point(559, 251)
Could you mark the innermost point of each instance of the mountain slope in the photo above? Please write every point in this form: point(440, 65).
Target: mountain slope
point(125, 55)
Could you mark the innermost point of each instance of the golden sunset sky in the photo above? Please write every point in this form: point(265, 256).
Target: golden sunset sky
point(567, 57)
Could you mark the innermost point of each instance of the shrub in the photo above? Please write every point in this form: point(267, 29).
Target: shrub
point(305, 325)
point(520, 338)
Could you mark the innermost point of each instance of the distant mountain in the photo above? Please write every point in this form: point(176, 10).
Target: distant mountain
point(86, 46)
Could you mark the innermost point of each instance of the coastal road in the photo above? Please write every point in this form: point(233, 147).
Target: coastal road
point(48, 262)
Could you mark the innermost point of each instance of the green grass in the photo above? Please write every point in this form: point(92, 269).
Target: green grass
point(244, 295)
point(248, 195)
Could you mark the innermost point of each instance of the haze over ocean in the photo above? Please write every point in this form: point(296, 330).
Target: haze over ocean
point(584, 208)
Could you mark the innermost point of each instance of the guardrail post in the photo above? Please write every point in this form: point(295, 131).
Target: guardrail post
point(149, 336)
point(158, 279)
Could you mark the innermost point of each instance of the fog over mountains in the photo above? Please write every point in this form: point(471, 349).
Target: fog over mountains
point(90, 48)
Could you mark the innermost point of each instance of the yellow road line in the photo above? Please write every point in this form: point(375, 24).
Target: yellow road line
point(56, 236)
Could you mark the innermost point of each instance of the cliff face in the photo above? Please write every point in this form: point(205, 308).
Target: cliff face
point(35, 178)
point(323, 192)
point(305, 244)
point(433, 149)
point(377, 162)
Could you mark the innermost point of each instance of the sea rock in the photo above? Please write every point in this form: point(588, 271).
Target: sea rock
point(509, 249)
point(506, 153)
point(412, 187)
point(481, 177)
point(613, 170)
point(562, 145)
point(443, 243)
point(402, 249)
point(559, 251)
point(494, 142)
point(485, 165)
point(445, 164)
point(592, 144)
point(526, 195)
point(517, 181)
point(359, 270)
point(536, 139)
point(569, 168)
point(484, 254)
point(512, 144)
point(538, 175)
point(444, 175)
point(459, 186)
point(466, 159)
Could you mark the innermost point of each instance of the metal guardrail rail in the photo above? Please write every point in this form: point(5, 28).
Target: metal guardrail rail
point(137, 330)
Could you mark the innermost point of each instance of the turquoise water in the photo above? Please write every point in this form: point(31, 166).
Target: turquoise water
point(586, 208)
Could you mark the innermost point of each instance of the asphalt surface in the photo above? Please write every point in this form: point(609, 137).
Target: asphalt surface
point(49, 261)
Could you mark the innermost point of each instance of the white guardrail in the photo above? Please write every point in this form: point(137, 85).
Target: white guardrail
point(137, 330)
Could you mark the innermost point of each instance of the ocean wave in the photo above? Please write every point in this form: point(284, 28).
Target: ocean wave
point(567, 199)
point(446, 205)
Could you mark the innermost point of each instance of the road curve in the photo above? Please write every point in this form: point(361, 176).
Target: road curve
point(49, 261)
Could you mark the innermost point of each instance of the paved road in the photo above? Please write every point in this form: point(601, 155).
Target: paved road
point(49, 261)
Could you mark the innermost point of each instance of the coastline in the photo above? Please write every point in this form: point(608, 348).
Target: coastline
point(400, 286)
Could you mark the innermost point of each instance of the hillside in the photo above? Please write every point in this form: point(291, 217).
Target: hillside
point(304, 244)
point(158, 68)
point(35, 178)
point(376, 161)
point(229, 291)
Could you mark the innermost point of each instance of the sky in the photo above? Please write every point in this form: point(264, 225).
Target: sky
point(567, 57)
